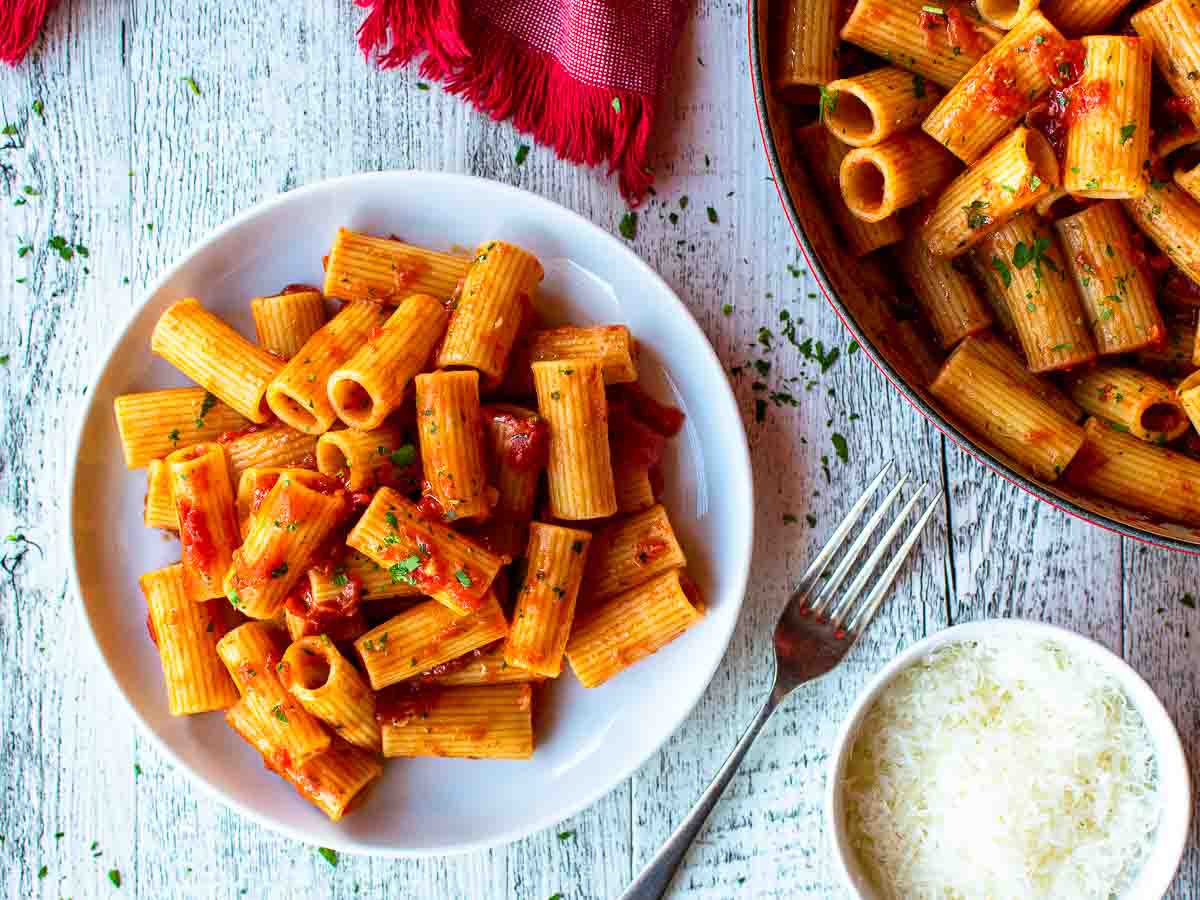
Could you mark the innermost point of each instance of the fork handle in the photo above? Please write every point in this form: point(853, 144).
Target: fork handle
point(652, 882)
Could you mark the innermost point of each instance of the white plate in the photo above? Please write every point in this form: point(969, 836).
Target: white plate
point(588, 740)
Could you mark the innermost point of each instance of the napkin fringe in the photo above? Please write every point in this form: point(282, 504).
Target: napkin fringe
point(506, 78)
point(20, 23)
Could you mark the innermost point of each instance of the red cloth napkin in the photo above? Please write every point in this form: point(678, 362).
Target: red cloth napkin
point(582, 76)
point(20, 22)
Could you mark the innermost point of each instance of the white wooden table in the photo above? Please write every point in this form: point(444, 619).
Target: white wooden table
point(132, 164)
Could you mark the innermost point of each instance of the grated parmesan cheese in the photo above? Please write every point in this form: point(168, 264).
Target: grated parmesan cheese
point(1002, 769)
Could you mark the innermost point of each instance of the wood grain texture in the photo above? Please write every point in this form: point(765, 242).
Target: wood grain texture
point(286, 100)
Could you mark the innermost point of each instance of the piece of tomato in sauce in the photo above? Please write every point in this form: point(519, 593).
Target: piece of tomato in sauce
point(525, 444)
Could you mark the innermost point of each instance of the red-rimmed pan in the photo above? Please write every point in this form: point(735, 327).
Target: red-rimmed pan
point(834, 269)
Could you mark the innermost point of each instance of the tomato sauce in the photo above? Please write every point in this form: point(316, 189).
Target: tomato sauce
point(298, 288)
point(525, 445)
point(1054, 116)
point(403, 702)
point(429, 506)
point(959, 32)
point(649, 549)
point(666, 420)
point(374, 335)
point(226, 437)
point(998, 91)
point(195, 536)
point(406, 274)
point(150, 629)
point(1182, 287)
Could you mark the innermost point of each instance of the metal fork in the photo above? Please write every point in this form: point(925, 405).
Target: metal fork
point(816, 630)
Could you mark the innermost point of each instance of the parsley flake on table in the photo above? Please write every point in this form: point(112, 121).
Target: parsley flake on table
point(616, 104)
point(330, 856)
point(115, 877)
point(841, 447)
point(628, 226)
point(566, 835)
point(191, 83)
point(522, 152)
point(712, 216)
point(1188, 600)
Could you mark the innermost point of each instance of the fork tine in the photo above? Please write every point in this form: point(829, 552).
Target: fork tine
point(855, 591)
point(830, 587)
point(813, 572)
point(863, 617)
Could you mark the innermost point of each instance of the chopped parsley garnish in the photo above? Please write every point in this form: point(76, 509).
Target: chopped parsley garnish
point(628, 226)
point(828, 104)
point(616, 104)
point(727, 309)
point(42, 872)
point(402, 571)
point(191, 83)
point(566, 835)
point(463, 578)
point(522, 152)
point(1024, 254)
point(205, 408)
point(919, 87)
point(933, 10)
point(234, 598)
point(1127, 131)
point(277, 712)
point(173, 436)
point(330, 856)
point(340, 579)
point(976, 217)
point(577, 547)
point(1067, 346)
point(39, 109)
point(1188, 600)
point(1002, 269)
point(115, 877)
point(712, 216)
point(279, 571)
point(789, 519)
point(390, 518)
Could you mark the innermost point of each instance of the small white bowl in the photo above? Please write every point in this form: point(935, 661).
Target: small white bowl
point(1157, 872)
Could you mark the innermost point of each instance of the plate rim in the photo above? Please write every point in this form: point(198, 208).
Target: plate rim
point(756, 18)
point(724, 401)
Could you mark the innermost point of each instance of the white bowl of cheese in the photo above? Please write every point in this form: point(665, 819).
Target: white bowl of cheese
point(1008, 759)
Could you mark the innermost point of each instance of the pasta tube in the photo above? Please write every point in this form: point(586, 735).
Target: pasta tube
point(808, 45)
point(869, 108)
point(941, 46)
point(1002, 411)
point(630, 627)
point(1173, 357)
point(518, 440)
point(1108, 142)
point(1188, 392)
point(439, 561)
point(330, 689)
point(216, 357)
point(363, 459)
point(612, 345)
point(496, 299)
point(635, 492)
point(990, 99)
point(425, 636)
point(479, 667)
point(881, 180)
point(1005, 14)
point(629, 552)
point(1131, 400)
point(492, 722)
point(155, 423)
point(370, 385)
point(824, 155)
point(186, 634)
point(299, 394)
point(1171, 219)
point(1117, 295)
point(572, 401)
point(946, 293)
point(450, 427)
point(1083, 16)
point(373, 581)
point(1009, 178)
point(546, 602)
point(1189, 180)
point(252, 655)
point(361, 267)
point(277, 446)
point(1040, 295)
point(1171, 27)
point(255, 484)
point(285, 322)
point(160, 502)
point(996, 352)
point(333, 781)
point(285, 536)
point(1137, 474)
point(208, 528)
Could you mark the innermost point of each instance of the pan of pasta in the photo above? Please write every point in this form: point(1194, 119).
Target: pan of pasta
point(411, 513)
point(1002, 202)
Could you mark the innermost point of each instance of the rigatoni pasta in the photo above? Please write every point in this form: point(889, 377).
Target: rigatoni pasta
point(451, 429)
point(286, 321)
point(944, 290)
point(186, 634)
point(370, 385)
point(216, 357)
point(299, 393)
point(571, 399)
point(372, 561)
point(1131, 400)
point(1171, 219)
point(1171, 27)
point(869, 108)
point(361, 267)
point(880, 180)
point(808, 45)
point(154, 423)
point(1108, 143)
point(495, 301)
